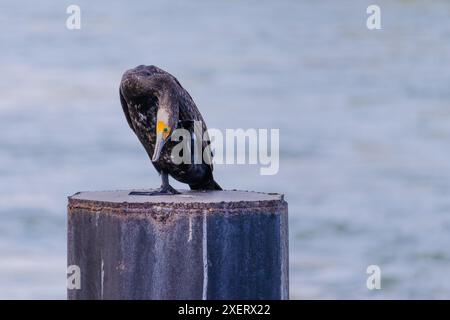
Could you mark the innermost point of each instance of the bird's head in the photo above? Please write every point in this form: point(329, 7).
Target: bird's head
point(153, 86)
point(166, 120)
point(166, 90)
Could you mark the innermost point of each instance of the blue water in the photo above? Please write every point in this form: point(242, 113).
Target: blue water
point(364, 119)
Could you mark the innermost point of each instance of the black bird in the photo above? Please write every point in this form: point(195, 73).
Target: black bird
point(155, 104)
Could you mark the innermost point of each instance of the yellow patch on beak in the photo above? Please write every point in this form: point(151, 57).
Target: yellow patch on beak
point(162, 127)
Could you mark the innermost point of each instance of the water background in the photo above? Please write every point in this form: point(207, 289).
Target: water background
point(364, 118)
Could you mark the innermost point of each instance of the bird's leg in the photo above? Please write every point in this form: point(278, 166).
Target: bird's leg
point(166, 188)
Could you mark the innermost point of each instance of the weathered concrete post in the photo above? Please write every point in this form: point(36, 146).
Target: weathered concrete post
point(196, 245)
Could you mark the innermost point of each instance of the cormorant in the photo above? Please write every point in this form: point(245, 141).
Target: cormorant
point(155, 104)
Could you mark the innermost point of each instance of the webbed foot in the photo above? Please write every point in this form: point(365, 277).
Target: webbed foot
point(164, 190)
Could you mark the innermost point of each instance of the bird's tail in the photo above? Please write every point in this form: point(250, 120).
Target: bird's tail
point(209, 185)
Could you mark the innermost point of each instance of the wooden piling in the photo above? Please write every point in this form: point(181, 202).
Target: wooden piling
point(196, 245)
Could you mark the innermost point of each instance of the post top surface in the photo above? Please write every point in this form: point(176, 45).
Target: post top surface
point(186, 196)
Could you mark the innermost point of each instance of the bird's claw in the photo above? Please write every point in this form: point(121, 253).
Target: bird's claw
point(166, 190)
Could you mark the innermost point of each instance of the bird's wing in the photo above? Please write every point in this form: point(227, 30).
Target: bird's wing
point(190, 113)
point(206, 143)
point(125, 110)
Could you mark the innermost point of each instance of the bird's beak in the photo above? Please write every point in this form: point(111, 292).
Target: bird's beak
point(158, 147)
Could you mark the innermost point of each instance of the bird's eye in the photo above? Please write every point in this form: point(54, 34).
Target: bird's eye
point(166, 129)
